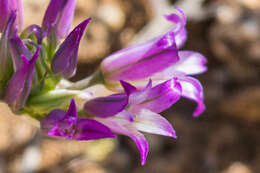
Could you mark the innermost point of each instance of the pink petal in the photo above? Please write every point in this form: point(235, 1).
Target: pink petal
point(150, 122)
point(190, 63)
point(116, 125)
point(192, 89)
point(159, 98)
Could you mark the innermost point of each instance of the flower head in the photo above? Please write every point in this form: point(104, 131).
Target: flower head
point(137, 110)
point(67, 125)
point(146, 59)
point(160, 60)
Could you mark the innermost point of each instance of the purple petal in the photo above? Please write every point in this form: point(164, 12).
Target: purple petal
point(115, 124)
point(191, 63)
point(140, 142)
point(179, 30)
point(72, 111)
point(59, 16)
point(65, 59)
point(18, 48)
point(88, 129)
point(150, 122)
point(142, 60)
point(181, 38)
point(192, 89)
point(140, 96)
point(106, 106)
point(49, 124)
point(65, 21)
point(128, 88)
point(28, 83)
point(52, 13)
point(160, 97)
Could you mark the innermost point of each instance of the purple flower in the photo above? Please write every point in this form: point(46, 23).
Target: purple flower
point(6, 8)
point(144, 60)
point(19, 86)
point(139, 114)
point(58, 17)
point(65, 59)
point(160, 60)
point(67, 125)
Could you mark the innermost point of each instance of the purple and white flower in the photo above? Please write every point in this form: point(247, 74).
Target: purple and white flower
point(137, 110)
point(160, 60)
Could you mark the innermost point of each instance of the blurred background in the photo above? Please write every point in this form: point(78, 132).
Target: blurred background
point(225, 139)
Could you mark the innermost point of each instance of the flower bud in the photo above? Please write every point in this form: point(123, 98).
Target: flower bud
point(6, 8)
point(66, 58)
point(5, 59)
point(19, 86)
point(58, 17)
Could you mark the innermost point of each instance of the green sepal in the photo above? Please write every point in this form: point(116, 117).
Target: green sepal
point(40, 105)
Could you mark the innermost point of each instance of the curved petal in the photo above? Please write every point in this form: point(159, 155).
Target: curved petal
point(150, 122)
point(160, 97)
point(181, 38)
point(106, 106)
point(127, 129)
point(142, 60)
point(190, 63)
point(179, 30)
point(140, 142)
point(192, 89)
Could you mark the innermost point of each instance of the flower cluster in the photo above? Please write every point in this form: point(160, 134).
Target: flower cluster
point(145, 79)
